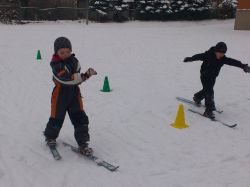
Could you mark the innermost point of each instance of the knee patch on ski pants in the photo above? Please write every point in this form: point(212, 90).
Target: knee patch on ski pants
point(80, 121)
point(53, 128)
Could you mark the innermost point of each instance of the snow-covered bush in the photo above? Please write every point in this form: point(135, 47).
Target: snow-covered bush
point(10, 12)
point(121, 11)
point(188, 9)
point(10, 15)
point(191, 9)
point(200, 9)
point(174, 9)
point(152, 9)
point(109, 10)
point(99, 10)
point(226, 9)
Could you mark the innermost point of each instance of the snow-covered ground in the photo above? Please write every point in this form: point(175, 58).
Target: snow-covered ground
point(130, 126)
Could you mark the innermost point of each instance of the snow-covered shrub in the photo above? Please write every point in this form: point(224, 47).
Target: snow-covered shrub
point(121, 11)
point(109, 10)
point(152, 9)
point(99, 10)
point(10, 11)
point(10, 15)
point(199, 9)
point(191, 9)
point(226, 9)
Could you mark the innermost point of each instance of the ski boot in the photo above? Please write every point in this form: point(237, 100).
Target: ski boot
point(85, 149)
point(197, 101)
point(50, 141)
point(209, 114)
point(214, 108)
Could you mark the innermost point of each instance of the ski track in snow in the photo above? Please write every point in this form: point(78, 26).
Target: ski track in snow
point(130, 126)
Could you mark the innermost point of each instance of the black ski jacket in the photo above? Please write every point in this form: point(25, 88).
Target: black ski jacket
point(211, 66)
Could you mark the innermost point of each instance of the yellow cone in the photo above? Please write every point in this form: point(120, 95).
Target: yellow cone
point(180, 119)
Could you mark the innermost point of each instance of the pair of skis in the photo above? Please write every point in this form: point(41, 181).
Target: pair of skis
point(93, 158)
point(201, 114)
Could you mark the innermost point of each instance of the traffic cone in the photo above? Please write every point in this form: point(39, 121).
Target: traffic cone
point(38, 55)
point(106, 87)
point(180, 119)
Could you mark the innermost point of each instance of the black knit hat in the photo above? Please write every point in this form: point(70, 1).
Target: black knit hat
point(62, 42)
point(221, 47)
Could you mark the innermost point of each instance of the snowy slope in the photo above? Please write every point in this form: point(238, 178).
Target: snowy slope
point(130, 126)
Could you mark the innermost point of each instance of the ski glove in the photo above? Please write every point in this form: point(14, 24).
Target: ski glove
point(187, 59)
point(88, 74)
point(246, 68)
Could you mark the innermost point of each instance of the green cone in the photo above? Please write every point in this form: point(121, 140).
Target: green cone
point(38, 56)
point(106, 87)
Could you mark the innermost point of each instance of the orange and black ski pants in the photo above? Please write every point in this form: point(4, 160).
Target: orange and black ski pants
point(67, 99)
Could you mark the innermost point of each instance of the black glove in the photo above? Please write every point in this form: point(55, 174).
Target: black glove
point(246, 68)
point(90, 72)
point(187, 59)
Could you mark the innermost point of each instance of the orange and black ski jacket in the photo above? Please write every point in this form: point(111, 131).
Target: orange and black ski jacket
point(66, 95)
point(66, 72)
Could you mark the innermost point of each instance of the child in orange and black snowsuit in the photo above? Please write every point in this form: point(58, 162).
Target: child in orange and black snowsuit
point(66, 96)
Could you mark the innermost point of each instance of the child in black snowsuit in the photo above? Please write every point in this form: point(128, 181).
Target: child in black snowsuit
point(213, 60)
point(66, 96)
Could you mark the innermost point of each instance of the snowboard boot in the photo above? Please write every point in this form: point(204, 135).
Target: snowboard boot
point(50, 141)
point(197, 101)
point(209, 114)
point(85, 149)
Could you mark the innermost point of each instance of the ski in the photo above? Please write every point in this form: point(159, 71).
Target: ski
point(54, 152)
point(93, 158)
point(213, 119)
point(194, 104)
